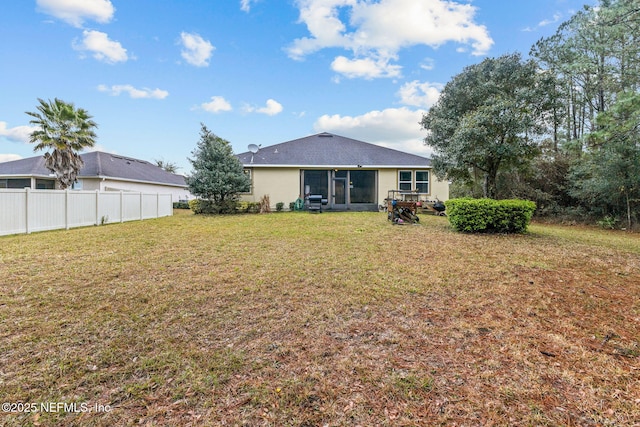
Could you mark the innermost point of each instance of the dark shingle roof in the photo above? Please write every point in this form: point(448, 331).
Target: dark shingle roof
point(27, 167)
point(326, 149)
point(99, 164)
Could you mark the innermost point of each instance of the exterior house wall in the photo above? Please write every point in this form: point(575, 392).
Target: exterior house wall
point(280, 184)
point(106, 184)
point(283, 185)
point(439, 189)
point(388, 180)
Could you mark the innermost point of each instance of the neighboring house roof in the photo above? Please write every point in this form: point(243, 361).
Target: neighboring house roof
point(99, 165)
point(329, 150)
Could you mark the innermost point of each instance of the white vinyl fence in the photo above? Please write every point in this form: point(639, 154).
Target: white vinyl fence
point(27, 211)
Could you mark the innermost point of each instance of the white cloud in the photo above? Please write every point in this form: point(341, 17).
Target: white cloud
point(133, 92)
point(16, 134)
point(419, 94)
point(245, 5)
point(428, 64)
point(379, 30)
point(367, 68)
point(216, 105)
point(75, 12)
point(196, 50)
point(9, 157)
point(557, 17)
point(271, 108)
point(103, 49)
point(397, 128)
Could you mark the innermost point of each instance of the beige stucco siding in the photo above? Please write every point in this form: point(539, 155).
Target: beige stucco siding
point(280, 184)
point(388, 180)
point(439, 189)
point(283, 185)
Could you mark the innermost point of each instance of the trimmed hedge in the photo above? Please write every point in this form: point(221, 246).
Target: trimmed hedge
point(248, 207)
point(489, 216)
point(200, 206)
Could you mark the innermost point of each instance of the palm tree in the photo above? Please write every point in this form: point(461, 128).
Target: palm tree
point(66, 130)
point(167, 166)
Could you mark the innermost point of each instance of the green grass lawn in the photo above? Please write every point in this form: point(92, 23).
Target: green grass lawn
point(296, 319)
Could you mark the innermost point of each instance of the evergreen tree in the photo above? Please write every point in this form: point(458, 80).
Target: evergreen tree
point(595, 59)
point(218, 176)
point(609, 175)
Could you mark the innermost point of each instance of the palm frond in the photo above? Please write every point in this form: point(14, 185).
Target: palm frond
point(66, 130)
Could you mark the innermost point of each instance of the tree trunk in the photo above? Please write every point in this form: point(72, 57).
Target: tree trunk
point(489, 185)
point(628, 211)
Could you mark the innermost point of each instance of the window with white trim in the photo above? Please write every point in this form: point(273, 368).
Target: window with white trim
point(77, 185)
point(422, 181)
point(248, 173)
point(405, 180)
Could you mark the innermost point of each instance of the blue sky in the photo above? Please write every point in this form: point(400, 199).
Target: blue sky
point(253, 71)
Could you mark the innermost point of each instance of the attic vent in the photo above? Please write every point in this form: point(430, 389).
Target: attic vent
point(325, 135)
point(128, 160)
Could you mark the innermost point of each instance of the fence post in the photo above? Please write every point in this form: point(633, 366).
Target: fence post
point(121, 206)
point(27, 192)
point(141, 198)
point(66, 209)
point(97, 207)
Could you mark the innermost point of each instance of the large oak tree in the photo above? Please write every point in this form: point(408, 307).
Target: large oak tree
point(486, 120)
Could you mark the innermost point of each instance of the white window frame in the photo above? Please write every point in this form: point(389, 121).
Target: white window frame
point(77, 185)
point(422, 181)
point(249, 172)
point(402, 182)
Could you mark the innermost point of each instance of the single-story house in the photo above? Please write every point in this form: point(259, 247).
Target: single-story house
point(101, 171)
point(349, 174)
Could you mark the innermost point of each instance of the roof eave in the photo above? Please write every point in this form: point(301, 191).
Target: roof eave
point(139, 181)
point(256, 165)
point(26, 175)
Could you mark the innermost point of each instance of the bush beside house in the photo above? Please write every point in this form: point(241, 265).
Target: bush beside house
point(490, 216)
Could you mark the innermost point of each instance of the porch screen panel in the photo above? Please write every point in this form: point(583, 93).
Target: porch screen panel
point(46, 184)
point(363, 186)
point(318, 182)
point(18, 183)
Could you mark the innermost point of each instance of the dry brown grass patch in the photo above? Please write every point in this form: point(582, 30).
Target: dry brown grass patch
point(310, 320)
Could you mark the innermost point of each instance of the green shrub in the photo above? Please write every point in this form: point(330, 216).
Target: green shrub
point(279, 206)
point(608, 222)
point(200, 206)
point(181, 205)
point(489, 216)
point(248, 207)
point(194, 205)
